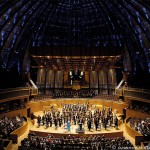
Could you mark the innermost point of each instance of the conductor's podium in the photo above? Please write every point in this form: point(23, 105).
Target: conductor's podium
point(80, 129)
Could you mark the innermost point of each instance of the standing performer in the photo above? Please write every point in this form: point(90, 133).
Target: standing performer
point(116, 122)
point(68, 125)
point(89, 123)
point(55, 122)
point(96, 123)
point(38, 120)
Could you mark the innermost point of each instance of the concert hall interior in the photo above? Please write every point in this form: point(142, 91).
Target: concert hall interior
point(74, 74)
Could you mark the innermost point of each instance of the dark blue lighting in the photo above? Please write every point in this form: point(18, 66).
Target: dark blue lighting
point(86, 23)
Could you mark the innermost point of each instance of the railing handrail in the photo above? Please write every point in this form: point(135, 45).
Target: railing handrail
point(13, 89)
point(33, 84)
point(121, 82)
point(137, 89)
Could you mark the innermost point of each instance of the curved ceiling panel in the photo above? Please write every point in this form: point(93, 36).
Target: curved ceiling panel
point(88, 23)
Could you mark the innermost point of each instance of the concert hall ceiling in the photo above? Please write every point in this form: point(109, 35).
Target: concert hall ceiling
point(35, 26)
point(76, 63)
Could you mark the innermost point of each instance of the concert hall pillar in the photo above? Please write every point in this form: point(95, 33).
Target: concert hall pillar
point(54, 79)
point(98, 81)
point(45, 80)
point(63, 80)
point(107, 82)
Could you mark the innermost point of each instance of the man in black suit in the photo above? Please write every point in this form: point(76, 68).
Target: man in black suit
point(116, 122)
point(39, 120)
point(89, 124)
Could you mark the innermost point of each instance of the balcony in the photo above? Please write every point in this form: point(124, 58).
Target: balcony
point(135, 93)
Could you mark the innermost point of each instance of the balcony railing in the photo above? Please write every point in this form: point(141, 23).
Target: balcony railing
point(14, 93)
point(18, 92)
point(134, 92)
point(33, 88)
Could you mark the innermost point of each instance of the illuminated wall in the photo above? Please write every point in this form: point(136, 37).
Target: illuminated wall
point(102, 81)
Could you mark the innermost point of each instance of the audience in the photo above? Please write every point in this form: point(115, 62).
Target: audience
point(106, 97)
point(10, 106)
point(140, 125)
point(140, 106)
point(42, 97)
point(74, 94)
point(4, 143)
point(9, 124)
point(73, 143)
point(65, 94)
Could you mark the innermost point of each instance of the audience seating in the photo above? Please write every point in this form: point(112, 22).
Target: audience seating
point(74, 94)
point(140, 106)
point(10, 106)
point(106, 97)
point(9, 124)
point(42, 97)
point(70, 142)
point(141, 125)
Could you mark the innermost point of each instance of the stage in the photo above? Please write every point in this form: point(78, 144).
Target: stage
point(42, 131)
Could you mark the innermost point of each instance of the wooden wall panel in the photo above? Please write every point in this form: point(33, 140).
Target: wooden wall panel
point(119, 107)
point(133, 113)
point(38, 106)
point(19, 132)
point(86, 76)
point(65, 76)
point(34, 106)
point(44, 103)
point(131, 132)
point(108, 103)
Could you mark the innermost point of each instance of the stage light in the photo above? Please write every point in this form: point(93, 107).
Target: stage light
point(70, 73)
point(81, 73)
